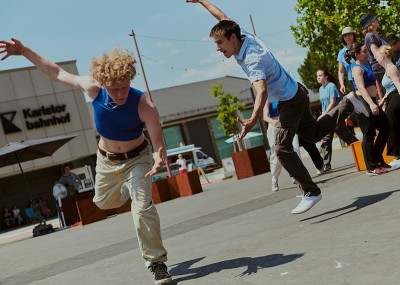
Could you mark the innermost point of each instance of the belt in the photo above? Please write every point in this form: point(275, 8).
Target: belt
point(126, 155)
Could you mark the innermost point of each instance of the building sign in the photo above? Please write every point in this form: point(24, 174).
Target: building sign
point(36, 118)
point(8, 125)
point(46, 116)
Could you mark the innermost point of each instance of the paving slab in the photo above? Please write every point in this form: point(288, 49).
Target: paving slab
point(235, 232)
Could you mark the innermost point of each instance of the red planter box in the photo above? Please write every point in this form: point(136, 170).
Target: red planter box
point(160, 191)
point(126, 207)
point(89, 212)
point(250, 162)
point(69, 208)
point(173, 187)
point(189, 183)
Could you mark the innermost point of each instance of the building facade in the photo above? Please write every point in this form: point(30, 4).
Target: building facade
point(34, 107)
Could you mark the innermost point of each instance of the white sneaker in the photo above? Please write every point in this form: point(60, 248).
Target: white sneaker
point(395, 163)
point(358, 106)
point(275, 186)
point(306, 203)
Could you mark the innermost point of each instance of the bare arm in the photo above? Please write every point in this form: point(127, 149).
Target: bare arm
point(358, 75)
point(259, 103)
point(341, 73)
point(52, 70)
point(149, 115)
point(375, 52)
point(266, 112)
point(214, 10)
point(331, 105)
point(394, 74)
point(274, 122)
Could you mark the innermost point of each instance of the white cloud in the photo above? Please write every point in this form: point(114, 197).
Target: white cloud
point(215, 65)
point(288, 57)
point(162, 44)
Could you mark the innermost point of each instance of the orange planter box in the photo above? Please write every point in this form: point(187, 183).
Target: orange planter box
point(160, 191)
point(250, 162)
point(189, 183)
point(358, 156)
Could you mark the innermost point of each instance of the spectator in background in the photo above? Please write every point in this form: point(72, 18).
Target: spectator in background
point(394, 42)
point(69, 178)
point(46, 212)
point(182, 164)
point(391, 82)
point(348, 37)
point(329, 97)
point(8, 217)
point(271, 116)
point(369, 24)
point(365, 85)
point(17, 215)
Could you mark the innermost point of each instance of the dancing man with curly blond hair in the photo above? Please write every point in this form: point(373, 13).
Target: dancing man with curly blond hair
point(124, 158)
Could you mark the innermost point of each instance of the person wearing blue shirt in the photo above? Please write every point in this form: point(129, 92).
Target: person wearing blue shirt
point(330, 97)
point(348, 37)
point(124, 163)
point(271, 81)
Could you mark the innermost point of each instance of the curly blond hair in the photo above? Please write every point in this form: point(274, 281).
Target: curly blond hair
point(386, 50)
point(114, 67)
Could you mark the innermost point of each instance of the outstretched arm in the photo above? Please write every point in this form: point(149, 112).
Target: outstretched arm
point(52, 70)
point(214, 10)
point(259, 103)
point(149, 115)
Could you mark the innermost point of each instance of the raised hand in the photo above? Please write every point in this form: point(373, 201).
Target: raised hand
point(14, 47)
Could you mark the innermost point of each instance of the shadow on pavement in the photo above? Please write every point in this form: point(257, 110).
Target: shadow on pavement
point(252, 264)
point(358, 203)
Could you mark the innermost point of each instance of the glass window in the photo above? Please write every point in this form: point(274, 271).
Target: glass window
point(224, 149)
point(255, 141)
point(173, 136)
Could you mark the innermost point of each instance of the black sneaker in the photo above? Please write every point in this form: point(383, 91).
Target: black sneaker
point(384, 165)
point(161, 274)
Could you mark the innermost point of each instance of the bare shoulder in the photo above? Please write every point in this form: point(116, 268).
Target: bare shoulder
point(146, 109)
point(90, 86)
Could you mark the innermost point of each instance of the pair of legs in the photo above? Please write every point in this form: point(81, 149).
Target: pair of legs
point(313, 152)
point(275, 165)
point(116, 182)
point(296, 117)
point(326, 143)
point(393, 114)
point(372, 144)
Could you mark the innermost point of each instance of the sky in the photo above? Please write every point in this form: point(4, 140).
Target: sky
point(172, 35)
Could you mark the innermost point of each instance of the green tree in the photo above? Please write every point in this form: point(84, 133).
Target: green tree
point(320, 23)
point(228, 108)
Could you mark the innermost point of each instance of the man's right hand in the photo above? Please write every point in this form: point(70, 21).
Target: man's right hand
point(14, 47)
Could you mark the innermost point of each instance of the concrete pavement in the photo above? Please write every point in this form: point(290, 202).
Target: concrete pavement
point(236, 232)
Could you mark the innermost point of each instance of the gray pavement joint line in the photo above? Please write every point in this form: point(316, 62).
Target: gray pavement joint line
point(93, 256)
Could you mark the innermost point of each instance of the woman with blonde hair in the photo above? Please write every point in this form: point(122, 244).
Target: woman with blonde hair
point(391, 82)
point(365, 85)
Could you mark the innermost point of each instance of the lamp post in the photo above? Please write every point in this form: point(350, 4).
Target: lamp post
point(148, 91)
